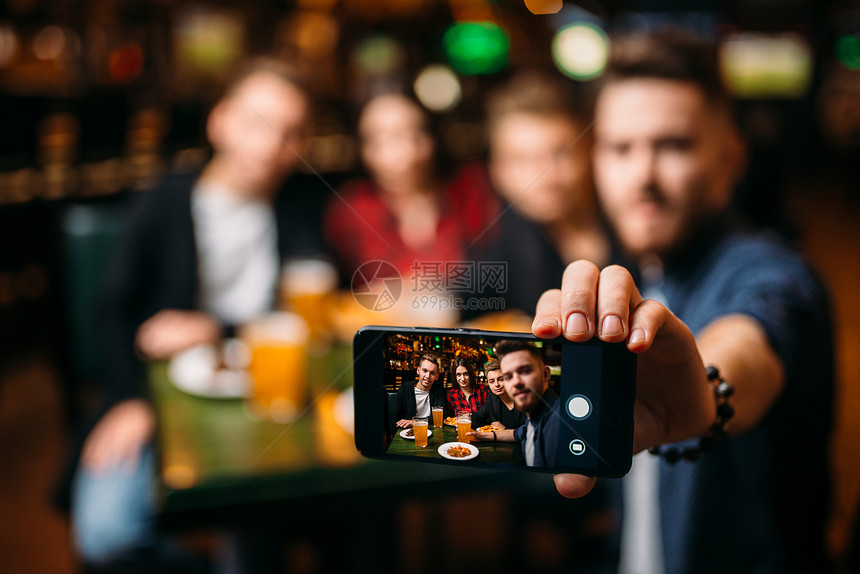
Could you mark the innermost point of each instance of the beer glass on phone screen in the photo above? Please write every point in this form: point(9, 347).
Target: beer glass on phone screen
point(464, 425)
point(437, 416)
point(419, 428)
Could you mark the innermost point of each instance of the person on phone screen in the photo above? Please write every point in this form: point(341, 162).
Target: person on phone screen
point(499, 410)
point(715, 292)
point(416, 399)
point(526, 380)
point(466, 394)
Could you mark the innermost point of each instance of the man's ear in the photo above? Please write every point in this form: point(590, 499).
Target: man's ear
point(215, 124)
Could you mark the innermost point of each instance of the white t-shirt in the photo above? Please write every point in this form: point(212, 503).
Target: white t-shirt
point(237, 252)
point(422, 403)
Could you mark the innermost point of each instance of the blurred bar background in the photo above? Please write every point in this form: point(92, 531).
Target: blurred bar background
point(100, 98)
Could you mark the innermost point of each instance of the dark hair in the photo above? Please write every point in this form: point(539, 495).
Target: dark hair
point(534, 94)
point(461, 362)
point(669, 55)
point(430, 358)
point(509, 346)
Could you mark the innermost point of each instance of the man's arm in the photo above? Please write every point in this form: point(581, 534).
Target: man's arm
point(739, 348)
point(506, 435)
point(482, 416)
point(400, 410)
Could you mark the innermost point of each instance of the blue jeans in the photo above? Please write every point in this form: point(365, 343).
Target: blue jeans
point(113, 512)
point(114, 520)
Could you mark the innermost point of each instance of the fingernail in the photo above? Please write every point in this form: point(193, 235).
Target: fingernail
point(611, 326)
point(577, 324)
point(637, 336)
point(549, 322)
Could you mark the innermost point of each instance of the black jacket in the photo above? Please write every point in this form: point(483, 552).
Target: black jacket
point(404, 407)
point(495, 410)
point(154, 267)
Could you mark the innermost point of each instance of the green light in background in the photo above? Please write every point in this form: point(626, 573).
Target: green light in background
point(580, 50)
point(476, 47)
point(378, 55)
point(848, 52)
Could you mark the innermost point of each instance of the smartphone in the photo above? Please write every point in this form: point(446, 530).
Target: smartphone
point(578, 398)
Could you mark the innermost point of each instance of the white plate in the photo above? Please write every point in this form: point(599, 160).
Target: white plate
point(404, 431)
point(196, 372)
point(443, 450)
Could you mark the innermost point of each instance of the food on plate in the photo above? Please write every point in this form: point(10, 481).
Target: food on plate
point(410, 432)
point(458, 451)
point(452, 421)
point(486, 428)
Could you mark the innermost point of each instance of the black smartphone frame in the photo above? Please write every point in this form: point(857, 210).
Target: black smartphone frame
point(613, 446)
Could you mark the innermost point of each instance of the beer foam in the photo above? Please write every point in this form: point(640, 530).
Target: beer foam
point(309, 276)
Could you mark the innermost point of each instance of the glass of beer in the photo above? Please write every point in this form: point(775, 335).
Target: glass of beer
point(437, 416)
point(276, 343)
point(308, 289)
point(464, 425)
point(419, 428)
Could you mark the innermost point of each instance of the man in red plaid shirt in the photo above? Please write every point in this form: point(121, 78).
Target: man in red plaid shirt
point(467, 394)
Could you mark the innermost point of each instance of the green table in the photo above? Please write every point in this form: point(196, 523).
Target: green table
point(218, 463)
point(503, 452)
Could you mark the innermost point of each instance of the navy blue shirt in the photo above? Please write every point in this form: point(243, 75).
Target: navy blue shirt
point(545, 420)
point(759, 501)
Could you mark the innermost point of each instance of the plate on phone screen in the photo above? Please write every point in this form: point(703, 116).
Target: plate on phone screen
point(404, 434)
point(443, 450)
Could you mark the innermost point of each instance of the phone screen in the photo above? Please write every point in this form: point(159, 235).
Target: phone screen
point(480, 397)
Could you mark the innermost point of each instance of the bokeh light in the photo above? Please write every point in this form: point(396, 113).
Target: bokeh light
point(378, 55)
point(757, 65)
point(848, 51)
point(476, 47)
point(544, 6)
point(438, 88)
point(49, 43)
point(8, 45)
point(580, 50)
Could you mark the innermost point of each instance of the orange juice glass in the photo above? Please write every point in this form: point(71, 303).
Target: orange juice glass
point(437, 416)
point(419, 428)
point(464, 425)
point(278, 365)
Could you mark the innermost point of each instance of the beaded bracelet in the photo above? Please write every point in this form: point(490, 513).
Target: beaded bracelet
point(722, 391)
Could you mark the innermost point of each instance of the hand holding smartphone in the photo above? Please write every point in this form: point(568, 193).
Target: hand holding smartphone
point(560, 406)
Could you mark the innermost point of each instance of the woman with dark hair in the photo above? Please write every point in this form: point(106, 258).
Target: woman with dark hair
point(406, 211)
point(466, 394)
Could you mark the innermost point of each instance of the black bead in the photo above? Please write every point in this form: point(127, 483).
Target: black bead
point(725, 389)
point(712, 372)
point(706, 443)
point(725, 411)
point(672, 455)
point(655, 450)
